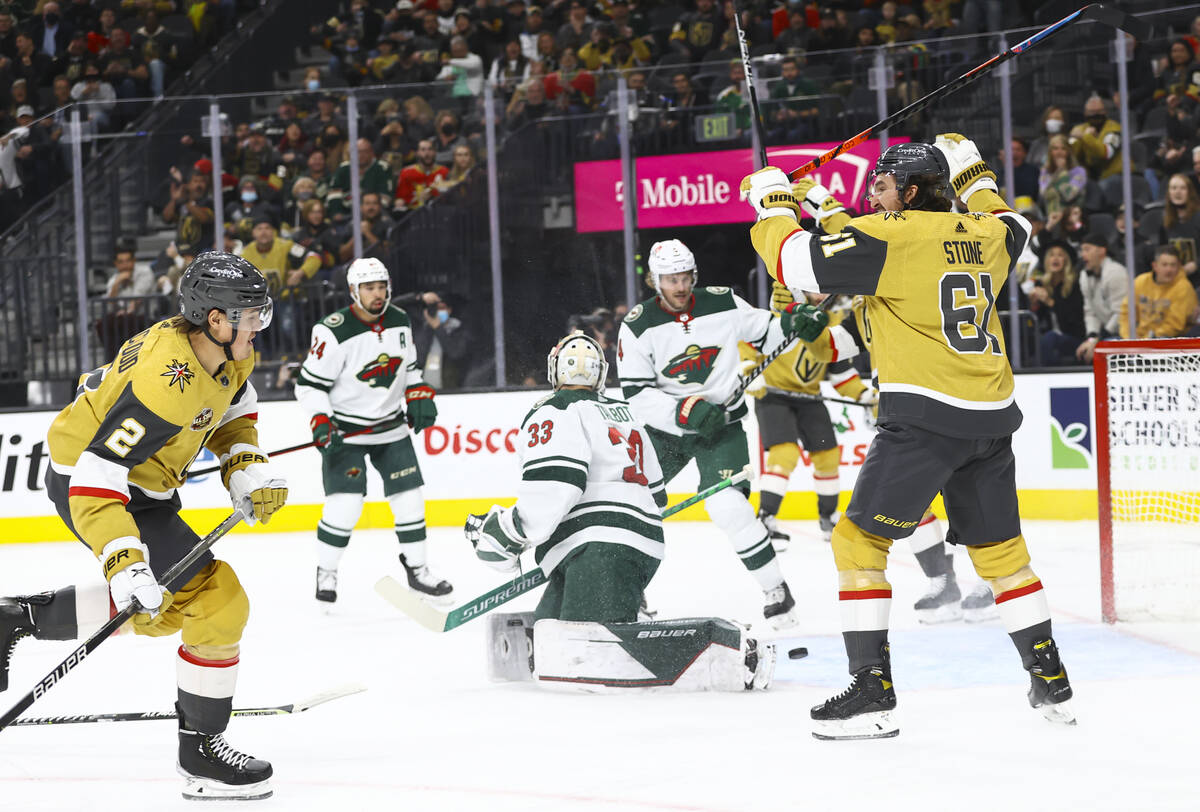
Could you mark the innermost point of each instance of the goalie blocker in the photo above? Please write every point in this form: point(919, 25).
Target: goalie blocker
point(687, 654)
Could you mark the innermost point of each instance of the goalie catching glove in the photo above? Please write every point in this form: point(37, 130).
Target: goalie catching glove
point(130, 579)
point(804, 321)
point(253, 486)
point(420, 409)
point(816, 200)
point(496, 538)
point(969, 173)
point(770, 193)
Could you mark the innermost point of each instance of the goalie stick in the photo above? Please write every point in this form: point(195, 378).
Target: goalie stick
point(443, 620)
point(1112, 17)
point(147, 716)
point(104, 632)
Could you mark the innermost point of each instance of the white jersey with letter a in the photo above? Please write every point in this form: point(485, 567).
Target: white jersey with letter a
point(664, 356)
point(357, 372)
point(589, 474)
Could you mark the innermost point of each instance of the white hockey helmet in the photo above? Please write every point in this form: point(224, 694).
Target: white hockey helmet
point(367, 269)
point(577, 360)
point(668, 257)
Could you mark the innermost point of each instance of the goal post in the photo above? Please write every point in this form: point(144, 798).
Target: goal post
point(1147, 398)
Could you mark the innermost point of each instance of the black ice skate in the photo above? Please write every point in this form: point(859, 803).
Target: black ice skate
point(779, 539)
point(862, 711)
point(16, 623)
point(422, 580)
point(779, 606)
point(940, 604)
point(215, 771)
point(1049, 688)
point(326, 585)
point(979, 605)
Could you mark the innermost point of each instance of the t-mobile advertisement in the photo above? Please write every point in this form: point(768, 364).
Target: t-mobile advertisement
point(701, 188)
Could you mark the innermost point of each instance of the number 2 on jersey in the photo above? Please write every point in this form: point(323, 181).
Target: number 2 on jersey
point(633, 445)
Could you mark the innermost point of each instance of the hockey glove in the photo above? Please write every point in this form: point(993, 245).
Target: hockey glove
point(326, 434)
point(869, 397)
point(968, 171)
point(770, 193)
point(699, 415)
point(127, 567)
point(816, 200)
point(254, 488)
point(420, 409)
point(781, 297)
point(758, 386)
point(495, 545)
point(804, 321)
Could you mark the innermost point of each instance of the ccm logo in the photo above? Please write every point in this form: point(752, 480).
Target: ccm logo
point(666, 633)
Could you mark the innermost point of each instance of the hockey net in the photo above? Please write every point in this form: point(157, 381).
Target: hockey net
point(1148, 478)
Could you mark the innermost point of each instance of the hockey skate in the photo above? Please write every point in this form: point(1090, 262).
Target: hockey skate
point(940, 604)
point(779, 609)
point(979, 605)
point(862, 711)
point(326, 585)
point(760, 664)
point(420, 579)
point(1049, 689)
point(215, 771)
point(825, 524)
point(16, 623)
point(779, 539)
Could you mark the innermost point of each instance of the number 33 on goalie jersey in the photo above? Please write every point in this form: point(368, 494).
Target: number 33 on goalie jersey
point(931, 280)
point(589, 473)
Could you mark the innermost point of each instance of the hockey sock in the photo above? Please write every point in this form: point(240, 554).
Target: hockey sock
point(1024, 610)
point(408, 514)
point(337, 522)
point(935, 562)
point(768, 502)
point(827, 504)
point(731, 511)
point(205, 690)
point(71, 613)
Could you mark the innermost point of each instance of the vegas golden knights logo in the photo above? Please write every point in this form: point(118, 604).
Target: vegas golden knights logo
point(693, 365)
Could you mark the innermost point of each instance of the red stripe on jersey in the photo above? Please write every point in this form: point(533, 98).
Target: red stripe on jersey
point(99, 493)
point(1004, 211)
point(1018, 593)
point(832, 346)
point(865, 595)
point(924, 522)
point(252, 416)
point(188, 657)
point(779, 260)
point(843, 383)
point(830, 476)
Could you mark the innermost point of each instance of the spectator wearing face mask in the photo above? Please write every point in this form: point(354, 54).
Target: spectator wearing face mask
point(446, 137)
point(241, 211)
point(1053, 122)
point(1097, 140)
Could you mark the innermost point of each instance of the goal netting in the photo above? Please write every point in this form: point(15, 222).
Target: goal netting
point(1148, 478)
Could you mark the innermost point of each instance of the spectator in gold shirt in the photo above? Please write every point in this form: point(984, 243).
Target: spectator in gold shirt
point(1166, 300)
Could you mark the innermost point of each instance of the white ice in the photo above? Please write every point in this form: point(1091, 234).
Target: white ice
point(432, 733)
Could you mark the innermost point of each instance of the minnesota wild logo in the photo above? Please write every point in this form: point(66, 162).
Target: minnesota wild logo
point(693, 365)
point(380, 372)
point(178, 373)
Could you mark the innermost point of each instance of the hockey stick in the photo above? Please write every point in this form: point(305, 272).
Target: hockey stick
point(748, 70)
point(804, 396)
point(443, 620)
point(1102, 14)
point(369, 430)
point(747, 379)
point(92, 643)
point(146, 716)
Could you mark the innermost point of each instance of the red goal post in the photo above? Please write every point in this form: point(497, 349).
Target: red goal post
point(1148, 478)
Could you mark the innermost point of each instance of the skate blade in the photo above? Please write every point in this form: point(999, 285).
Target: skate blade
point(946, 613)
point(204, 789)
point(1060, 714)
point(780, 545)
point(788, 620)
point(878, 725)
point(981, 615)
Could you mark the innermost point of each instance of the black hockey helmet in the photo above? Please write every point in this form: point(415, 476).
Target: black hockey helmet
point(920, 165)
point(225, 282)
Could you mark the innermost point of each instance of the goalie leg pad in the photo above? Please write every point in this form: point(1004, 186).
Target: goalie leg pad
point(688, 654)
point(510, 646)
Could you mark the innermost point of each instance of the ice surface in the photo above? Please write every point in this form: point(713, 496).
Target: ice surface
point(432, 733)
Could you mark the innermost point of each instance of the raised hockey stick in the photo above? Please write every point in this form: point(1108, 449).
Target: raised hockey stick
point(104, 632)
point(272, 454)
point(1099, 13)
point(748, 70)
point(147, 716)
point(443, 620)
point(747, 379)
point(771, 390)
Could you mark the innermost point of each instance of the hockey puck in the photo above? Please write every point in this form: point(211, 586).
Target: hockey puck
point(798, 653)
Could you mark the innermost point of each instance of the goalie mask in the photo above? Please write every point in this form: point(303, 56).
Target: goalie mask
point(668, 257)
point(577, 360)
point(367, 269)
point(920, 165)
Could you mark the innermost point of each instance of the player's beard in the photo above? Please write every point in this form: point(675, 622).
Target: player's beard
point(376, 308)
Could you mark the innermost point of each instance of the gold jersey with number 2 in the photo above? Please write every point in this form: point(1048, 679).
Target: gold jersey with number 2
point(931, 280)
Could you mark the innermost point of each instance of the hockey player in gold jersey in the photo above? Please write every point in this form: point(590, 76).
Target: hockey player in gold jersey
point(119, 452)
point(946, 407)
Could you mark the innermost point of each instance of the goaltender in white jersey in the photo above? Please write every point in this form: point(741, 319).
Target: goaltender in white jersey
point(361, 384)
point(588, 505)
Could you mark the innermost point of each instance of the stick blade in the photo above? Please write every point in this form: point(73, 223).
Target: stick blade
point(328, 696)
point(407, 602)
point(1116, 18)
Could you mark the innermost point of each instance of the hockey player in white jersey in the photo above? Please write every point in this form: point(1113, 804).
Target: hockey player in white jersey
point(678, 364)
point(588, 505)
point(361, 373)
